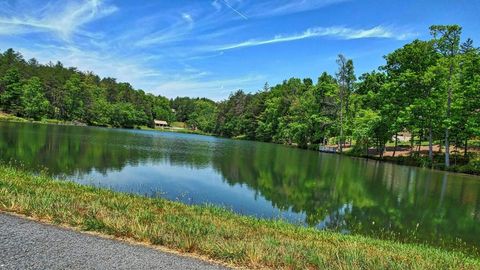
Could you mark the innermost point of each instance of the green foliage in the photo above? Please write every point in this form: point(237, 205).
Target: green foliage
point(365, 127)
point(203, 115)
point(101, 113)
point(34, 103)
point(447, 42)
point(11, 91)
point(197, 113)
point(430, 89)
point(32, 90)
point(447, 39)
point(161, 109)
point(125, 115)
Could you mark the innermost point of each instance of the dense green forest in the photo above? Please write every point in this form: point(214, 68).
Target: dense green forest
point(430, 89)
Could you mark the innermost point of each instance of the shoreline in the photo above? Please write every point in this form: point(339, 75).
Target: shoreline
point(419, 162)
point(208, 231)
point(15, 119)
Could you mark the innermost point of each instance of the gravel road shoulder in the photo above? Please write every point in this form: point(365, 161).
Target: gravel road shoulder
point(27, 244)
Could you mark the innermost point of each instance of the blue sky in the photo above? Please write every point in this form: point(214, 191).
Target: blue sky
point(209, 48)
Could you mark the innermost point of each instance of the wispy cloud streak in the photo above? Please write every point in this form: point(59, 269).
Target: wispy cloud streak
point(169, 48)
point(283, 7)
point(335, 32)
point(61, 19)
point(215, 89)
point(234, 10)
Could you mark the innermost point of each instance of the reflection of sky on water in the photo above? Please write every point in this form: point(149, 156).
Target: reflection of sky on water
point(188, 185)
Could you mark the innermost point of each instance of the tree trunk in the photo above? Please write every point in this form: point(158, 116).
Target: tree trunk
point(341, 125)
point(412, 140)
point(396, 144)
point(430, 145)
point(447, 149)
point(378, 147)
point(419, 143)
point(455, 150)
point(465, 149)
point(447, 129)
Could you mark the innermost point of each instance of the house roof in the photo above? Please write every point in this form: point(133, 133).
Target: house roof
point(160, 122)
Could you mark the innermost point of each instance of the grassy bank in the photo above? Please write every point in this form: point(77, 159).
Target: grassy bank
point(176, 130)
point(464, 165)
point(12, 118)
point(210, 231)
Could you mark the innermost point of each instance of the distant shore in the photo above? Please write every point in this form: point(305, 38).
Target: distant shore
point(405, 157)
point(11, 118)
point(402, 157)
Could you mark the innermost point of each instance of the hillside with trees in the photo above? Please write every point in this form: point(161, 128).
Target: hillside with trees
point(430, 89)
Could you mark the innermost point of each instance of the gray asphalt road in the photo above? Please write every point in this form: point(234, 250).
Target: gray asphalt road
point(26, 244)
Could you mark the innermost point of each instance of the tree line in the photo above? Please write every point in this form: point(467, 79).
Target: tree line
point(36, 91)
point(429, 88)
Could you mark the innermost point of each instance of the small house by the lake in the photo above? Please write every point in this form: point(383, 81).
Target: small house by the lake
point(403, 136)
point(160, 123)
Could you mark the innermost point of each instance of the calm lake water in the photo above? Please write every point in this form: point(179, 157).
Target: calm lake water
point(328, 191)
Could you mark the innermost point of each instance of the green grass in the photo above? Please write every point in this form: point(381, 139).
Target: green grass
point(178, 124)
point(176, 130)
point(11, 118)
point(210, 231)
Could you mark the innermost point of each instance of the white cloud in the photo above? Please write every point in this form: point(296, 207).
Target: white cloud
point(187, 17)
point(214, 89)
point(160, 52)
point(102, 62)
point(336, 32)
point(184, 81)
point(168, 29)
point(61, 19)
point(282, 7)
point(268, 8)
point(216, 5)
point(164, 36)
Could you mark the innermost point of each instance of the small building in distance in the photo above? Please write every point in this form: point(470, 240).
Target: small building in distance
point(403, 136)
point(160, 123)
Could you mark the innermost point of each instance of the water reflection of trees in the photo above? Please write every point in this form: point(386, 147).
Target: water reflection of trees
point(339, 193)
point(78, 150)
point(360, 196)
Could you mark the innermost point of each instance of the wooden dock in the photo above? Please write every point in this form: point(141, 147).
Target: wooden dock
point(327, 149)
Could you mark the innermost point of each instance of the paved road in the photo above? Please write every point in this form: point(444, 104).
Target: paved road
point(26, 244)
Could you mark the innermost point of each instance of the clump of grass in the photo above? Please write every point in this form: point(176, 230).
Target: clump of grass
point(11, 118)
point(211, 231)
point(5, 117)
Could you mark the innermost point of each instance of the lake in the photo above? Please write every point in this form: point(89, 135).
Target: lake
point(328, 191)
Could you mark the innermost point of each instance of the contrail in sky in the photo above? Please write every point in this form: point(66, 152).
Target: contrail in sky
point(236, 11)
